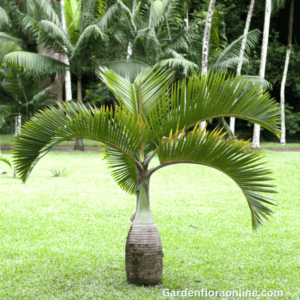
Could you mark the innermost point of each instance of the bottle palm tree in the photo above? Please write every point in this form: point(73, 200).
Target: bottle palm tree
point(133, 135)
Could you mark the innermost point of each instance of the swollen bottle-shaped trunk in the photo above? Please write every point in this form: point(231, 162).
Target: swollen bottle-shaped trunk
point(143, 252)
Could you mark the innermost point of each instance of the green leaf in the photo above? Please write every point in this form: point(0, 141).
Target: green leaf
point(211, 97)
point(232, 157)
point(121, 131)
point(7, 161)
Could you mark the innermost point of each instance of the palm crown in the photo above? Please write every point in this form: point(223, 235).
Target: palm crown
point(135, 132)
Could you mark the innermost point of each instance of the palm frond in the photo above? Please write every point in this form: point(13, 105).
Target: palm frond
point(209, 97)
point(119, 130)
point(175, 63)
point(8, 47)
point(4, 18)
point(36, 98)
point(48, 10)
point(130, 68)
point(230, 55)
point(7, 161)
point(152, 85)
point(124, 169)
point(92, 31)
point(228, 63)
point(4, 37)
point(73, 17)
point(265, 84)
point(231, 157)
point(111, 16)
point(128, 13)
point(30, 26)
point(59, 36)
point(34, 63)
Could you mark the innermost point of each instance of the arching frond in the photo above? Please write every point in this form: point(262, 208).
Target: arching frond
point(4, 37)
point(30, 26)
point(230, 55)
point(175, 63)
point(128, 13)
point(58, 34)
point(152, 85)
point(33, 63)
point(231, 157)
point(4, 18)
point(110, 17)
point(73, 16)
point(210, 97)
point(8, 47)
point(124, 169)
point(227, 63)
point(257, 80)
point(130, 68)
point(122, 131)
point(47, 10)
point(90, 32)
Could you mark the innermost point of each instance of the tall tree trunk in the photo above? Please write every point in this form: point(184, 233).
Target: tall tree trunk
point(239, 68)
point(263, 60)
point(68, 86)
point(286, 66)
point(57, 90)
point(79, 141)
point(205, 43)
point(143, 252)
point(129, 48)
point(186, 26)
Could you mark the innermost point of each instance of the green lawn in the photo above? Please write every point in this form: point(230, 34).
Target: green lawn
point(64, 237)
point(6, 140)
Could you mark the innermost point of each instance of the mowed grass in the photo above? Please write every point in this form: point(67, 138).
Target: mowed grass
point(6, 140)
point(64, 237)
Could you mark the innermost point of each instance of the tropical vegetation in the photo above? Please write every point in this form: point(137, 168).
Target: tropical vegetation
point(146, 76)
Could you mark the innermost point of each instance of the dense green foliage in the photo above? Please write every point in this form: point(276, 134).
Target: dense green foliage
point(232, 18)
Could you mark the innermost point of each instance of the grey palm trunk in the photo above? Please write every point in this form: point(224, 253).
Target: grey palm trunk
point(143, 251)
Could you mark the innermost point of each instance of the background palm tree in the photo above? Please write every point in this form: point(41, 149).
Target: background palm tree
point(134, 133)
point(78, 44)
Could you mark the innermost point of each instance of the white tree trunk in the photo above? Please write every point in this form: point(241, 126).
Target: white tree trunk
point(263, 60)
point(205, 43)
point(68, 87)
point(286, 66)
point(17, 124)
point(239, 68)
point(129, 48)
point(186, 26)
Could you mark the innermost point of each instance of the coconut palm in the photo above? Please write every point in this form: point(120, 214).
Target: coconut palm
point(134, 132)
